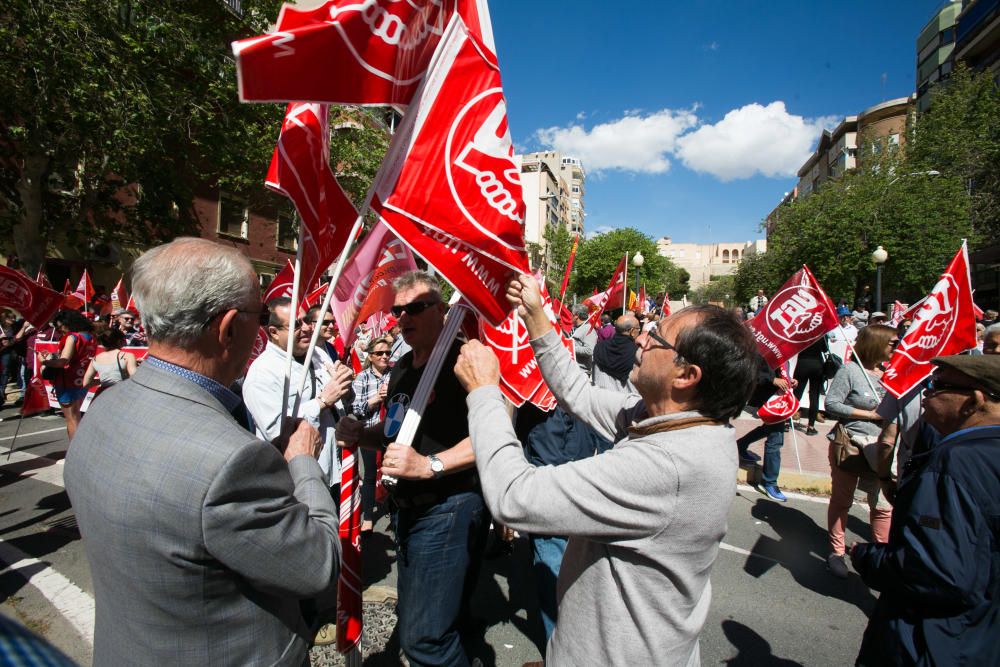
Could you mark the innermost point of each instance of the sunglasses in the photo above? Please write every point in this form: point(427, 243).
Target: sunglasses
point(933, 385)
point(299, 323)
point(413, 308)
point(380, 353)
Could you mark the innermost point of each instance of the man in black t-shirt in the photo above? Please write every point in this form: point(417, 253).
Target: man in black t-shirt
point(442, 520)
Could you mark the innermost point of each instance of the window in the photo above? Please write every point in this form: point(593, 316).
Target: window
point(948, 35)
point(233, 216)
point(576, 189)
point(288, 235)
point(725, 257)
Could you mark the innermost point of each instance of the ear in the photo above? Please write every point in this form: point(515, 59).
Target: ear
point(689, 377)
point(227, 322)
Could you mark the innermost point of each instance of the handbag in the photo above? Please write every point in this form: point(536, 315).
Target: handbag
point(844, 454)
point(831, 364)
point(51, 374)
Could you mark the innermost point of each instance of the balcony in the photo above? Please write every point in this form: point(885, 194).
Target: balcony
point(235, 6)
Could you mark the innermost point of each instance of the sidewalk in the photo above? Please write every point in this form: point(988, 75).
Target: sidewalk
point(812, 454)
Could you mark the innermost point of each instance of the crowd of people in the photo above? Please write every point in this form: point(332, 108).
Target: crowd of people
point(211, 523)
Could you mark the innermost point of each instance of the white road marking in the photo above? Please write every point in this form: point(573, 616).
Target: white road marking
point(21, 436)
point(75, 605)
point(823, 500)
point(744, 552)
point(50, 473)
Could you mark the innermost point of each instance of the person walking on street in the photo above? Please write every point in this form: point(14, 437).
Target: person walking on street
point(768, 382)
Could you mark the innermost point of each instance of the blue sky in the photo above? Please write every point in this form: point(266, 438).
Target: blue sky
point(651, 94)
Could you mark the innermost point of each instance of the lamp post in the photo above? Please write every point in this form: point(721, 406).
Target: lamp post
point(637, 261)
point(879, 256)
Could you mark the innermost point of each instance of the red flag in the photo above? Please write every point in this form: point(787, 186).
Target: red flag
point(945, 324)
point(796, 316)
point(381, 50)
point(349, 601)
point(84, 290)
point(642, 300)
point(300, 170)
point(281, 286)
point(569, 267)
point(36, 303)
point(118, 295)
point(611, 298)
point(665, 308)
point(314, 298)
point(977, 312)
point(450, 169)
point(43, 279)
point(897, 314)
point(130, 306)
point(70, 300)
point(258, 347)
point(36, 399)
point(365, 287)
point(782, 405)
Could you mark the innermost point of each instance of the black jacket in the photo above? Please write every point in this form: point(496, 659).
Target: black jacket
point(764, 389)
point(940, 572)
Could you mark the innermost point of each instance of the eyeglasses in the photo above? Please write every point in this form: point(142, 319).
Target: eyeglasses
point(659, 339)
point(934, 385)
point(413, 308)
point(263, 315)
point(379, 353)
point(327, 323)
point(299, 323)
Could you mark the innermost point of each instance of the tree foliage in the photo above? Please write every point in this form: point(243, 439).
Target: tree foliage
point(598, 257)
point(918, 203)
point(103, 94)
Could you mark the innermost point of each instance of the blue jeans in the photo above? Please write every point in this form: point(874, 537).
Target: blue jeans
point(775, 438)
point(438, 551)
point(549, 552)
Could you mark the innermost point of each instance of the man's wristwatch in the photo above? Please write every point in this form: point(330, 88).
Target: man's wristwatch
point(437, 467)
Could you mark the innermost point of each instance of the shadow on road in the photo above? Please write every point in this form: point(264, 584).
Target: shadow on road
point(801, 549)
point(754, 650)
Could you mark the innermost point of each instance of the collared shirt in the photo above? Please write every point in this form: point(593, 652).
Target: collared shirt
point(366, 386)
point(221, 393)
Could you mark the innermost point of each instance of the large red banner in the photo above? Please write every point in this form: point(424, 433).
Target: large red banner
point(36, 303)
point(300, 170)
point(450, 168)
point(351, 52)
point(793, 319)
point(944, 324)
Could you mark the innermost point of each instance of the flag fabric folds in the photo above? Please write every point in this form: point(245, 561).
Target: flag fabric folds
point(793, 318)
point(450, 179)
point(36, 303)
point(118, 296)
point(609, 299)
point(281, 286)
point(365, 287)
point(300, 170)
point(381, 49)
point(569, 267)
point(944, 324)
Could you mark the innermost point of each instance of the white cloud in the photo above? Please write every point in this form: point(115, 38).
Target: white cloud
point(634, 143)
point(597, 231)
point(751, 140)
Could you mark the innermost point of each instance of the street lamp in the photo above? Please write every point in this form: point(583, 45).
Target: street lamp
point(879, 257)
point(637, 261)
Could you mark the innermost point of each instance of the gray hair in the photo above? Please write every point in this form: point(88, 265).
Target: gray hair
point(180, 286)
point(412, 279)
point(992, 329)
point(581, 311)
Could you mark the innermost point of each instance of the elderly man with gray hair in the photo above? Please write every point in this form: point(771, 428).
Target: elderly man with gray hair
point(584, 337)
point(203, 541)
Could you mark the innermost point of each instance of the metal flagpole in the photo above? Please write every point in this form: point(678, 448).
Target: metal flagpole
point(13, 442)
point(293, 315)
point(795, 443)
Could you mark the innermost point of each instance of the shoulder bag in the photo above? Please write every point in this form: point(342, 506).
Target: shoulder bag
point(844, 454)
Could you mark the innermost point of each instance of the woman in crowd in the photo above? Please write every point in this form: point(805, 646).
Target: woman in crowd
point(78, 347)
point(370, 388)
point(852, 398)
point(111, 366)
point(809, 370)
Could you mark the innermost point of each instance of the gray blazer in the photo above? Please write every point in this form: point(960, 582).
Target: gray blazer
point(202, 540)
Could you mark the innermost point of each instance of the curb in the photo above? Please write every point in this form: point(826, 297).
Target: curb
point(808, 483)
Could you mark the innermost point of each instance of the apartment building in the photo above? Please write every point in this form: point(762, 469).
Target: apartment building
point(553, 187)
point(704, 261)
point(935, 45)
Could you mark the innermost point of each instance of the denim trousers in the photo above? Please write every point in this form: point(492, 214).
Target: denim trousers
point(774, 435)
point(438, 551)
point(548, 554)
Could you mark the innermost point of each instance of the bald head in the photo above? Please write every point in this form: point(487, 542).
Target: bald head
point(627, 325)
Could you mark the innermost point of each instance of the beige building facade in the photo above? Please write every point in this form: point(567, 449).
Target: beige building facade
point(553, 186)
point(703, 261)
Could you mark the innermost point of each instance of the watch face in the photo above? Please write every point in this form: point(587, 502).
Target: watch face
point(437, 465)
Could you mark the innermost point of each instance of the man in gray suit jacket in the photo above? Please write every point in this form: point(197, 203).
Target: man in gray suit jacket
point(203, 540)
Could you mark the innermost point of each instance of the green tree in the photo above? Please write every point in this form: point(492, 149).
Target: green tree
point(358, 142)
point(104, 94)
point(960, 136)
point(560, 244)
point(919, 218)
point(721, 289)
point(598, 257)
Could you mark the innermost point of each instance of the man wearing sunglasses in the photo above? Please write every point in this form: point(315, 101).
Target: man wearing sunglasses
point(442, 520)
point(644, 518)
point(939, 574)
point(202, 540)
point(327, 383)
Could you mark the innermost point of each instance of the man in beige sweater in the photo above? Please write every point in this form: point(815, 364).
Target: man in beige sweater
point(645, 518)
